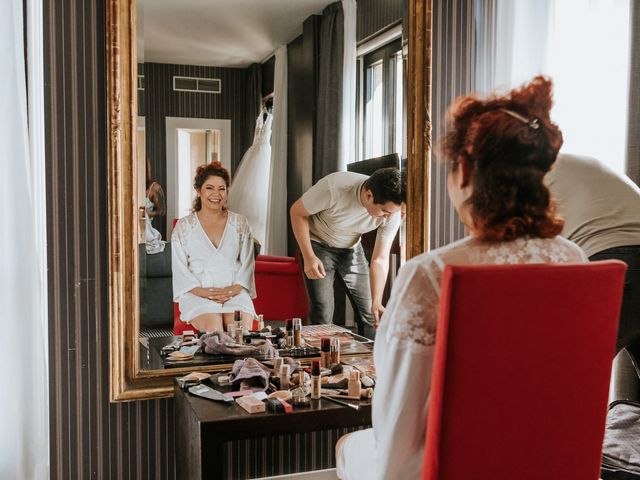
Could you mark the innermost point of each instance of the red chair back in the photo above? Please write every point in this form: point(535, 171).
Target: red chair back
point(521, 373)
point(280, 288)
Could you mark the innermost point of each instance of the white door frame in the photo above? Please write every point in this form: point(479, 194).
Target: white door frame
point(173, 124)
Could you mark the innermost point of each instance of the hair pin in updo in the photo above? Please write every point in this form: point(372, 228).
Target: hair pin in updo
point(533, 123)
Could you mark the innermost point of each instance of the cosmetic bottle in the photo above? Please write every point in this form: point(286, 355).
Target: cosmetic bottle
point(289, 332)
point(335, 350)
point(297, 332)
point(284, 377)
point(237, 320)
point(260, 322)
point(354, 385)
point(277, 364)
point(315, 379)
point(325, 352)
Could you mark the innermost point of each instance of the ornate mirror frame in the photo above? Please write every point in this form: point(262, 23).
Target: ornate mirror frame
point(127, 380)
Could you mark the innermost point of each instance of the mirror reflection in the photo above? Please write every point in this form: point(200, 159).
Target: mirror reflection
point(242, 108)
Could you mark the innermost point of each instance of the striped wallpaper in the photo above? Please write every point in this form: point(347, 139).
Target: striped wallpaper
point(453, 70)
point(161, 101)
point(281, 454)
point(373, 16)
point(91, 438)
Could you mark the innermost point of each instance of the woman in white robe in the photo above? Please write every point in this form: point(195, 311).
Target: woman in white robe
point(498, 151)
point(212, 257)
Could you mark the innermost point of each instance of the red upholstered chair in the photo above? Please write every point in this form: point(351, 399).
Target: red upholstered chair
point(178, 325)
point(522, 362)
point(280, 291)
point(280, 288)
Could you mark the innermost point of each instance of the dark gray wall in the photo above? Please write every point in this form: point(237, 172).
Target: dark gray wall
point(159, 101)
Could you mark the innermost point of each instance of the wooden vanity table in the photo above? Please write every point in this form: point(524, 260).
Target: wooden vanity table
point(222, 441)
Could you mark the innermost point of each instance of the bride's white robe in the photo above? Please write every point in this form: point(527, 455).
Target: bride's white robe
point(404, 353)
point(196, 262)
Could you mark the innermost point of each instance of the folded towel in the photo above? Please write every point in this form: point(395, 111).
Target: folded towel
point(249, 374)
point(219, 342)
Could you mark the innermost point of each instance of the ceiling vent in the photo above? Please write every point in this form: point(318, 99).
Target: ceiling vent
point(192, 84)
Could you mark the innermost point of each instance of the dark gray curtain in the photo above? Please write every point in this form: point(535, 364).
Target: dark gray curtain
point(329, 112)
point(633, 132)
point(254, 104)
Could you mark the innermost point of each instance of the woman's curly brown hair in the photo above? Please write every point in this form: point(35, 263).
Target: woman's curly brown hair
point(508, 158)
point(213, 169)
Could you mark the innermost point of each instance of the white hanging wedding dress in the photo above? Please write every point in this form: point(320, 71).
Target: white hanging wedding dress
point(249, 191)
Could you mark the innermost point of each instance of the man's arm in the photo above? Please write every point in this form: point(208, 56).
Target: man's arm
point(313, 267)
point(378, 274)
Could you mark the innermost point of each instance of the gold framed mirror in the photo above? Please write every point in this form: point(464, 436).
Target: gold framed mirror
point(128, 380)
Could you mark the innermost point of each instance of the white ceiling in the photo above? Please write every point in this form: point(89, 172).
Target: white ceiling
point(225, 33)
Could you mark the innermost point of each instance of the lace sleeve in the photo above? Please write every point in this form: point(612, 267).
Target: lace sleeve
point(412, 311)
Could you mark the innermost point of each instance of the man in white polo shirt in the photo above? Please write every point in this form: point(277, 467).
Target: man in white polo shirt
point(328, 221)
point(601, 210)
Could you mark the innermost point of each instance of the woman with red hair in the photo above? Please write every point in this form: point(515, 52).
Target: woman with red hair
point(498, 151)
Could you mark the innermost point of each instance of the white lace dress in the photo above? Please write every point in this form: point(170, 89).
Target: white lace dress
point(404, 351)
point(249, 191)
point(196, 262)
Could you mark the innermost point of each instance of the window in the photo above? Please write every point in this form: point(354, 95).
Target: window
point(192, 84)
point(381, 102)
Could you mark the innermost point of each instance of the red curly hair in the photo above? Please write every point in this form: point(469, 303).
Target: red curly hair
point(213, 169)
point(509, 143)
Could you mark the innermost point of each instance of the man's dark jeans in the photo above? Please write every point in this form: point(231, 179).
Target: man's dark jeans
point(351, 265)
point(629, 326)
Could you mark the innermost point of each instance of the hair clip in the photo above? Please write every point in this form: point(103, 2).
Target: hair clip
point(534, 123)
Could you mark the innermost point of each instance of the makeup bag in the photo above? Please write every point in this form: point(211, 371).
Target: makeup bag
point(621, 447)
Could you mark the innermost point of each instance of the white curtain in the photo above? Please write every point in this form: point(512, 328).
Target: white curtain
point(584, 47)
point(349, 85)
point(276, 234)
point(24, 443)
point(521, 40)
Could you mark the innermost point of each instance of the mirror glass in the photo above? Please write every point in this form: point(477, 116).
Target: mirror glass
point(206, 76)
